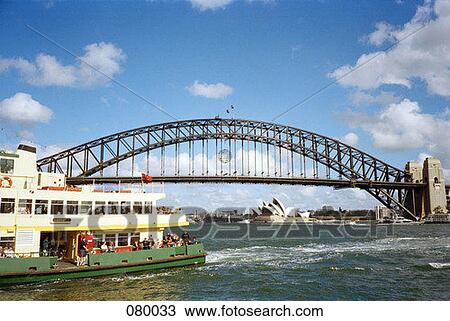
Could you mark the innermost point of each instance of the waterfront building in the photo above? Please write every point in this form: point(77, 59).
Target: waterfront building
point(383, 213)
point(275, 211)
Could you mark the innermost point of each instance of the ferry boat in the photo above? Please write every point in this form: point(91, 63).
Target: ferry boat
point(50, 230)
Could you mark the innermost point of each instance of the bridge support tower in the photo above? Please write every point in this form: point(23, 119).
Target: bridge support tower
point(415, 199)
point(431, 199)
point(435, 197)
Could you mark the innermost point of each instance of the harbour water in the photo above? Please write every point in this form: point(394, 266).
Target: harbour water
point(410, 262)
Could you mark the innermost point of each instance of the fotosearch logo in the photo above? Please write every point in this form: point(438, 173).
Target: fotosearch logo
point(247, 223)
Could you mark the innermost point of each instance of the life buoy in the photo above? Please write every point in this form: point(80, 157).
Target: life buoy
point(8, 179)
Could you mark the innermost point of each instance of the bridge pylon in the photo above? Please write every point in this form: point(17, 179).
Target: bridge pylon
point(431, 199)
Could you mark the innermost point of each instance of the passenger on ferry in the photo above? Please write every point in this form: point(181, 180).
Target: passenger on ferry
point(104, 247)
point(89, 242)
point(152, 242)
point(45, 247)
point(169, 242)
point(61, 251)
point(82, 252)
point(111, 247)
point(159, 244)
point(9, 252)
point(185, 237)
point(146, 244)
point(175, 238)
point(53, 250)
point(136, 246)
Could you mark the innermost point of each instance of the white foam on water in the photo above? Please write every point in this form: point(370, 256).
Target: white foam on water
point(270, 256)
point(140, 277)
point(315, 252)
point(439, 265)
point(349, 268)
point(291, 257)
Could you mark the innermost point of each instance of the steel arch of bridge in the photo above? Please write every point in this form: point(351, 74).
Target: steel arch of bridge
point(355, 168)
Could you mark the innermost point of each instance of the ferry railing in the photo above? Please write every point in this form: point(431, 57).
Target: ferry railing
point(22, 255)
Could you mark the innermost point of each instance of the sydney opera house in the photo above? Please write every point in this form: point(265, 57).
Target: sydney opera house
point(275, 211)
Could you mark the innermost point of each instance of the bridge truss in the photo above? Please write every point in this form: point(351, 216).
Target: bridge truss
point(232, 151)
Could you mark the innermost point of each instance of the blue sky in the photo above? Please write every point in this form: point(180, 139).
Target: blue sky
point(195, 58)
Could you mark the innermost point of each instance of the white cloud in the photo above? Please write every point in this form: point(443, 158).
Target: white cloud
point(383, 98)
point(350, 139)
point(359, 193)
point(22, 109)
point(25, 135)
point(215, 91)
point(46, 70)
point(404, 126)
point(382, 33)
point(204, 5)
point(212, 196)
point(422, 156)
point(423, 56)
point(308, 191)
point(44, 151)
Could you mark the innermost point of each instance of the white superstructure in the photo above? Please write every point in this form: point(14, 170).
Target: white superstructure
point(35, 206)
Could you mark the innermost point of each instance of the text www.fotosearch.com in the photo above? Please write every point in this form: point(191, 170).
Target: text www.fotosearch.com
point(235, 311)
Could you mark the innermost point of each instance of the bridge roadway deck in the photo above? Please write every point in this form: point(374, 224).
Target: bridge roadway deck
point(246, 180)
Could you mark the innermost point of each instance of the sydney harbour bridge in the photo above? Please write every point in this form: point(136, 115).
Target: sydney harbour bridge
point(221, 150)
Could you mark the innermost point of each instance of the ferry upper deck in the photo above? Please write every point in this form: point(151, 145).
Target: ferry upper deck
point(34, 204)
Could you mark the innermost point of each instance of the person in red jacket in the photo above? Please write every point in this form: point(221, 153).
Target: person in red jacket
point(82, 251)
point(89, 242)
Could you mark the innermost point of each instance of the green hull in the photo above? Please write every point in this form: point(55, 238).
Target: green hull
point(94, 271)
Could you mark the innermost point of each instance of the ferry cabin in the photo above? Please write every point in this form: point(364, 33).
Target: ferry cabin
point(37, 206)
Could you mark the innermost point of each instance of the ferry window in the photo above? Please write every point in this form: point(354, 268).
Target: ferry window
point(25, 206)
point(7, 242)
point(57, 207)
point(7, 205)
point(6, 166)
point(41, 207)
point(113, 207)
point(99, 208)
point(148, 208)
point(137, 208)
point(110, 238)
point(72, 207)
point(122, 239)
point(86, 208)
point(135, 237)
point(125, 207)
point(98, 240)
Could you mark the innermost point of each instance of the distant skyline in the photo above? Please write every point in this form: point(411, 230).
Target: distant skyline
point(193, 59)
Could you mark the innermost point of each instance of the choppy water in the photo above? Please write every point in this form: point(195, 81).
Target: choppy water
point(413, 263)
